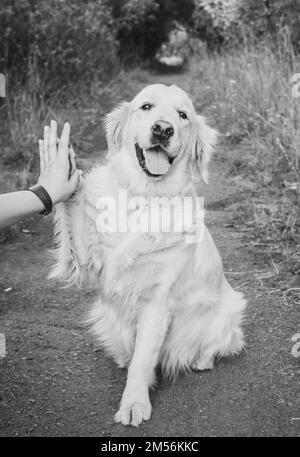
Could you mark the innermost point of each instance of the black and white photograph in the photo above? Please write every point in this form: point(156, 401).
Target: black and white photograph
point(149, 221)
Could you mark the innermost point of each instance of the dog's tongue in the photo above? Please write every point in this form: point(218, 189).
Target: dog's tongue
point(157, 162)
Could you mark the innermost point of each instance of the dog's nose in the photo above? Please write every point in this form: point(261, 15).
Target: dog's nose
point(162, 130)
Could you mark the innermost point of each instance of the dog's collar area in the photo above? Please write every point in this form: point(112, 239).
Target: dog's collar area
point(142, 160)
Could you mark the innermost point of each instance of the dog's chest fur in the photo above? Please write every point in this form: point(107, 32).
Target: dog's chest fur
point(133, 265)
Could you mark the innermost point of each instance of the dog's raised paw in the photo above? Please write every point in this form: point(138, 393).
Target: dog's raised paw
point(133, 413)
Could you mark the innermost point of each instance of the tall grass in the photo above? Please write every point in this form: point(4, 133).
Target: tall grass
point(248, 92)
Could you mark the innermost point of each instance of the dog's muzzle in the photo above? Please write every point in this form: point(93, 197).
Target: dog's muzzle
point(154, 161)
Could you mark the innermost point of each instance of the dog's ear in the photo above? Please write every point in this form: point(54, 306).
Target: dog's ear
point(204, 141)
point(114, 124)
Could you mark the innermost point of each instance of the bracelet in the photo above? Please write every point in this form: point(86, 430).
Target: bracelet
point(45, 198)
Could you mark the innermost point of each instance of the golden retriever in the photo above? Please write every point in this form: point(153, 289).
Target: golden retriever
point(162, 301)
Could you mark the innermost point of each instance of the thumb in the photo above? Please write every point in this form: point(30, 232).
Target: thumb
point(75, 180)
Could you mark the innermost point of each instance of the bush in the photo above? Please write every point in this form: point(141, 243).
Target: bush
point(52, 52)
point(213, 21)
point(143, 25)
point(263, 18)
point(71, 41)
point(232, 22)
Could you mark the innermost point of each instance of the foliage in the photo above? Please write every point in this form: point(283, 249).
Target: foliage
point(222, 21)
point(143, 25)
point(213, 20)
point(70, 41)
point(266, 17)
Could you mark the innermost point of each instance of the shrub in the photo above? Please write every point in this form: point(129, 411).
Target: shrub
point(233, 21)
point(213, 20)
point(71, 41)
point(266, 17)
point(143, 25)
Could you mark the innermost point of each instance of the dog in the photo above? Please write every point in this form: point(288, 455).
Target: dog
point(162, 301)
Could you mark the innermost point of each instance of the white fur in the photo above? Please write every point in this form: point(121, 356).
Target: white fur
point(161, 301)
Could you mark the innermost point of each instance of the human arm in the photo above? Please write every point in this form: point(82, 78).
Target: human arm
point(54, 177)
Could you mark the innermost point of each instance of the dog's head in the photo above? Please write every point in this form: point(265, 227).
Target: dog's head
point(161, 133)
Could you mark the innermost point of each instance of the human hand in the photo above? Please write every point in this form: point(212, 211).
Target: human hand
point(58, 173)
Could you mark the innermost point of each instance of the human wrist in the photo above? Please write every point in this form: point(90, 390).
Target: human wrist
point(31, 202)
point(43, 196)
point(52, 190)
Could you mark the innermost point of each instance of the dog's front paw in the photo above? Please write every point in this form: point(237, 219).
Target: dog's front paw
point(133, 412)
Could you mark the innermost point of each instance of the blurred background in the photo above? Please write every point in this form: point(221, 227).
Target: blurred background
point(75, 60)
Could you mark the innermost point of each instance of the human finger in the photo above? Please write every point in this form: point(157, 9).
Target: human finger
point(72, 163)
point(41, 154)
point(45, 148)
point(52, 142)
point(64, 142)
point(75, 181)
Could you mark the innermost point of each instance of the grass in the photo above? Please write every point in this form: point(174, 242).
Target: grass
point(249, 94)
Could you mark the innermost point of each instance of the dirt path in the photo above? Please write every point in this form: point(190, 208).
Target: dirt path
point(54, 383)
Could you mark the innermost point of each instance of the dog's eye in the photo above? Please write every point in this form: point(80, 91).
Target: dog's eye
point(182, 114)
point(146, 106)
